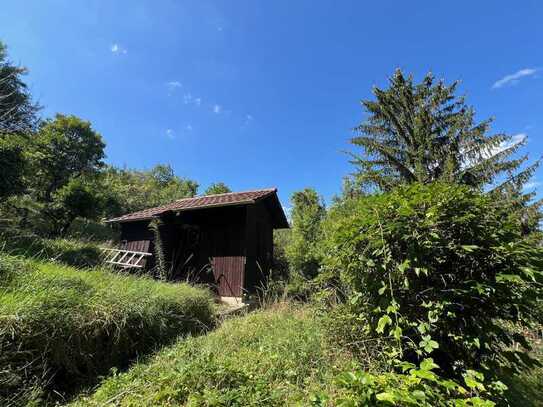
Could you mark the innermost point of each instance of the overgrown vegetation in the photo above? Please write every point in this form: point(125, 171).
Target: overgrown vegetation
point(275, 357)
point(424, 277)
point(438, 270)
point(60, 328)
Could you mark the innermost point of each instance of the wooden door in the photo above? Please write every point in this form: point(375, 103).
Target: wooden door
point(227, 260)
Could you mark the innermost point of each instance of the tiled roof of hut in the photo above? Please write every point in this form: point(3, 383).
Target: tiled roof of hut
point(201, 202)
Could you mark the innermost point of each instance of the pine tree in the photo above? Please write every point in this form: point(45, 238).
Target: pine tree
point(18, 113)
point(422, 132)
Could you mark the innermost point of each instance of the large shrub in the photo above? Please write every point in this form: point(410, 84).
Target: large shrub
point(437, 270)
point(61, 328)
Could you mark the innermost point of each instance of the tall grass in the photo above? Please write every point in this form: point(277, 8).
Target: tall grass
point(272, 357)
point(60, 328)
point(72, 252)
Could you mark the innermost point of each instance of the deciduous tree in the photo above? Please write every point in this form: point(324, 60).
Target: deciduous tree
point(217, 188)
point(307, 214)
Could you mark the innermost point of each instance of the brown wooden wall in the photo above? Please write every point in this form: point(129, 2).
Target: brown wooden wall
point(136, 236)
point(219, 257)
point(259, 246)
point(229, 248)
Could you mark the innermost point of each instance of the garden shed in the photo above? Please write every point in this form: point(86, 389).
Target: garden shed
point(225, 240)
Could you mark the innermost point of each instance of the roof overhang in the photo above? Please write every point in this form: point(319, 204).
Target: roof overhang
point(270, 197)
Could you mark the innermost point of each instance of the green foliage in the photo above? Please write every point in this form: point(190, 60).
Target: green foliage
point(437, 270)
point(133, 190)
point(217, 188)
point(280, 265)
point(92, 230)
point(160, 256)
point(415, 386)
point(12, 167)
point(64, 148)
point(424, 132)
point(61, 327)
point(306, 216)
point(18, 114)
point(78, 198)
point(275, 357)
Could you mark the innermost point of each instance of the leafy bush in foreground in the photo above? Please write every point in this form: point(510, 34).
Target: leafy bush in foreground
point(275, 357)
point(437, 269)
point(60, 328)
point(415, 386)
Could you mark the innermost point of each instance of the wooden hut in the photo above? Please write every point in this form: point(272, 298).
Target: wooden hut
point(225, 240)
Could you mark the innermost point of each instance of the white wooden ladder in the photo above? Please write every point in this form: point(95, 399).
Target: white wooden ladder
point(124, 258)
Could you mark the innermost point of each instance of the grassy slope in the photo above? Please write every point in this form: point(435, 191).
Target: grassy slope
point(61, 327)
point(273, 357)
point(68, 251)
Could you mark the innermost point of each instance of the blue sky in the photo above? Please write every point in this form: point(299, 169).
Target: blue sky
point(265, 93)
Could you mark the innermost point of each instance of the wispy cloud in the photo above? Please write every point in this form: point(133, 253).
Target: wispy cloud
point(514, 78)
point(248, 119)
point(217, 108)
point(170, 134)
point(517, 139)
point(504, 145)
point(118, 49)
point(188, 127)
point(188, 99)
point(531, 185)
point(173, 86)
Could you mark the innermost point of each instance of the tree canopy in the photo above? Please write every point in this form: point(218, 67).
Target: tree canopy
point(65, 147)
point(217, 188)
point(18, 116)
point(307, 214)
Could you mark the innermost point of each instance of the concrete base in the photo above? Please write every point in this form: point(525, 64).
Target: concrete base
point(234, 301)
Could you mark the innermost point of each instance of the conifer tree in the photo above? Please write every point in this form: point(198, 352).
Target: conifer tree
point(423, 132)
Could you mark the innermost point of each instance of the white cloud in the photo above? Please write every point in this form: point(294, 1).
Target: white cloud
point(217, 109)
point(118, 49)
point(172, 85)
point(516, 139)
point(248, 119)
point(170, 134)
point(514, 78)
point(188, 127)
point(504, 145)
point(531, 185)
point(188, 99)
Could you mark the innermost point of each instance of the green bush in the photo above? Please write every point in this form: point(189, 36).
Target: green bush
point(415, 386)
point(61, 328)
point(437, 270)
point(275, 357)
